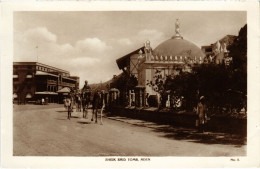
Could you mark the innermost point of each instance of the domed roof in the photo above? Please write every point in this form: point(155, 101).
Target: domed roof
point(178, 47)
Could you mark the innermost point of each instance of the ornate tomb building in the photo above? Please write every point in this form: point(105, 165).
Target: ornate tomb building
point(167, 59)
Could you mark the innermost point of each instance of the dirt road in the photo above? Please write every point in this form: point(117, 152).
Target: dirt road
point(45, 131)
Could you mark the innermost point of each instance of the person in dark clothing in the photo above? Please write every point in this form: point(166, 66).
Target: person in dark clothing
point(85, 98)
point(102, 105)
point(86, 86)
point(95, 105)
point(98, 103)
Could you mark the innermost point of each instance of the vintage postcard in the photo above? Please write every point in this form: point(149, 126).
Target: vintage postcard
point(130, 84)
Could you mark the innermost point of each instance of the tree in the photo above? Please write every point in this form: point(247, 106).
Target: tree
point(238, 50)
point(124, 83)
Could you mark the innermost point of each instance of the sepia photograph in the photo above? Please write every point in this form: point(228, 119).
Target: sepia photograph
point(119, 83)
point(130, 85)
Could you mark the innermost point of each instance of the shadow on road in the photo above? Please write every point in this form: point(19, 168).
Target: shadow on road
point(59, 119)
point(83, 122)
point(74, 117)
point(62, 111)
point(192, 135)
point(188, 134)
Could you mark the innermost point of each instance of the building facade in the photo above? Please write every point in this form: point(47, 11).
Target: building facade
point(129, 63)
point(218, 51)
point(167, 59)
point(33, 81)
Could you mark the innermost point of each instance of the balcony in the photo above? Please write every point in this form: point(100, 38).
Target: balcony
point(52, 82)
point(68, 84)
point(149, 58)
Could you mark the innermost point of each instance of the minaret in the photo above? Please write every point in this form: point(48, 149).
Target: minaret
point(177, 30)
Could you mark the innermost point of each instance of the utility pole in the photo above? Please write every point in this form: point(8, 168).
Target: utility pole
point(37, 52)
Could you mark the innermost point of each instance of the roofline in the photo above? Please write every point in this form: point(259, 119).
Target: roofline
point(40, 64)
point(69, 78)
point(233, 36)
point(206, 46)
point(127, 55)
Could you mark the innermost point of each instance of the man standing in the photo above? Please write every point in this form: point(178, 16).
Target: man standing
point(43, 101)
point(202, 115)
point(68, 105)
point(86, 86)
point(102, 105)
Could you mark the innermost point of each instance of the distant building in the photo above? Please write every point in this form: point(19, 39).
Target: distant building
point(33, 81)
point(207, 50)
point(217, 52)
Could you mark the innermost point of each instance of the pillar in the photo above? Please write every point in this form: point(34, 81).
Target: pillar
point(140, 98)
point(130, 98)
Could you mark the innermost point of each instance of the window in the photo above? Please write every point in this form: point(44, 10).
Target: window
point(29, 76)
point(208, 50)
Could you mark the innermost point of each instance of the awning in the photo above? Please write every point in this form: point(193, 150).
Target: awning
point(15, 96)
point(123, 61)
point(40, 73)
point(47, 93)
point(64, 77)
point(64, 90)
point(114, 90)
point(28, 96)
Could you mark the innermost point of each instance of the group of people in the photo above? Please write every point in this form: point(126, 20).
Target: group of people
point(83, 100)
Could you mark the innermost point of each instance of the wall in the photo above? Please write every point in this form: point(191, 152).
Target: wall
point(24, 84)
point(216, 124)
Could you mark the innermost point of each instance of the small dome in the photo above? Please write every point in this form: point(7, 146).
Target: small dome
point(178, 47)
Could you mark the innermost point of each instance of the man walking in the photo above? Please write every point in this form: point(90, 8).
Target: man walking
point(98, 103)
point(95, 105)
point(86, 93)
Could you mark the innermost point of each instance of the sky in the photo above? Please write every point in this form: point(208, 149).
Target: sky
point(88, 43)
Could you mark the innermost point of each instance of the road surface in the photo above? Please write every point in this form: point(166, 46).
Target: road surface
point(44, 130)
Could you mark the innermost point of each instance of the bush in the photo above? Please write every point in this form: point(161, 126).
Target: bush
point(152, 101)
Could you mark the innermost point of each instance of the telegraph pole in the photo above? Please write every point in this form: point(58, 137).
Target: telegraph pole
point(37, 52)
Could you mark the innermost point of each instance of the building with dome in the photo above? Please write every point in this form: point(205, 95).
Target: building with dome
point(167, 59)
